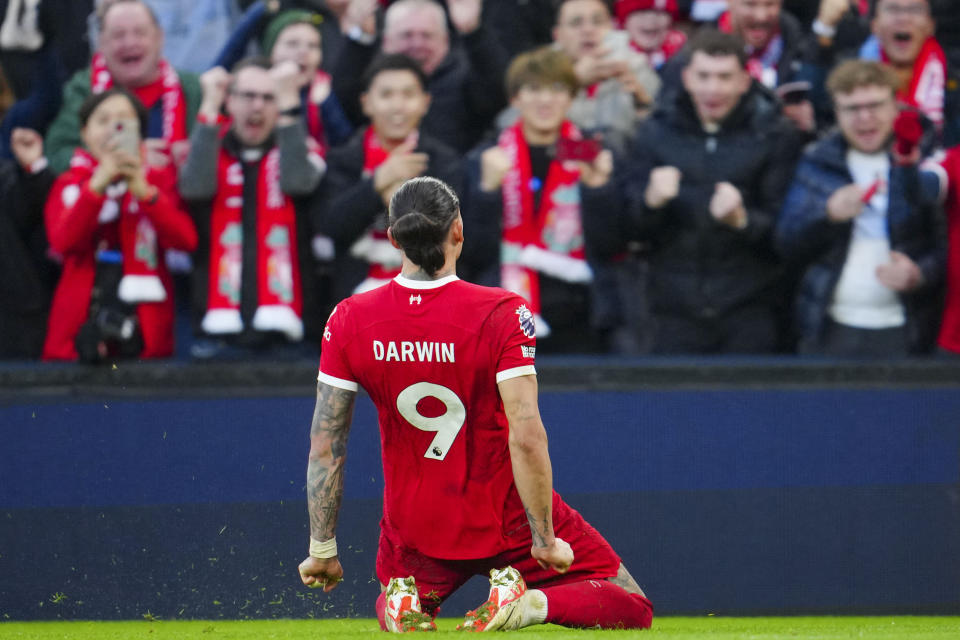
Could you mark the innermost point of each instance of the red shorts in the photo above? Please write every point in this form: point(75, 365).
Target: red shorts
point(436, 578)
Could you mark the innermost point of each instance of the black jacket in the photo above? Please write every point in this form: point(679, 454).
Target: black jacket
point(347, 205)
point(700, 267)
point(819, 247)
point(26, 276)
point(466, 90)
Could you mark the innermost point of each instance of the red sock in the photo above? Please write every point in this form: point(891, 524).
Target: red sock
point(382, 610)
point(594, 603)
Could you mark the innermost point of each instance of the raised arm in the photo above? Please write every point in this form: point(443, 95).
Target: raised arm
point(532, 471)
point(328, 450)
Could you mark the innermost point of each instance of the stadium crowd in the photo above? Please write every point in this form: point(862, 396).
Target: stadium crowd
point(206, 179)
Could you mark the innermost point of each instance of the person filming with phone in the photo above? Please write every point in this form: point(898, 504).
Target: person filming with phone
point(110, 217)
point(527, 195)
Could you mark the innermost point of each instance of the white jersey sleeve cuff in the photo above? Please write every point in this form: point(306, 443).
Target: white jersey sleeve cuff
point(516, 372)
point(339, 383)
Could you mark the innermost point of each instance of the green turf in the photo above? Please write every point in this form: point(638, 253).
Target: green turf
point(713, 628)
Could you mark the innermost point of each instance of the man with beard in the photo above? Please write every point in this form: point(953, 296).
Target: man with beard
point(129, 55)
point(252, 289)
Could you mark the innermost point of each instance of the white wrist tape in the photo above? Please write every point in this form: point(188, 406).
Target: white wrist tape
point(323, 550)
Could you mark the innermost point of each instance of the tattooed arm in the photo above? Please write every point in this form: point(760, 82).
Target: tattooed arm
point(532, 472)
point(328, 449)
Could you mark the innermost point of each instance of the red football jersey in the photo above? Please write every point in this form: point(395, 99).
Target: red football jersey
point(430, 354)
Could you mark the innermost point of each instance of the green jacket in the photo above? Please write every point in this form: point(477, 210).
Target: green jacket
point(63, 136)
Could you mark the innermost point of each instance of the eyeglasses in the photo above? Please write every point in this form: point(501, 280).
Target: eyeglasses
point(915, 10)
point(250, 96)
point(869, 107)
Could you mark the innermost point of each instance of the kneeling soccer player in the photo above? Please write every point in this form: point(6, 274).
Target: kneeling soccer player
point(468, 481)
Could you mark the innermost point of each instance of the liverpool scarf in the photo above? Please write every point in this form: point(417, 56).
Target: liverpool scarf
point(549, 239)
point(374, 246)
point(166, 88)
point(279, 301)
point(133, 230)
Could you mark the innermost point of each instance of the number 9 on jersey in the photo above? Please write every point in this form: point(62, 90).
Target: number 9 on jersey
point(447, 425)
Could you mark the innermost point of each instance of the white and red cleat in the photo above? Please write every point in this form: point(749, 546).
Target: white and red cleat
point(510, 606)
point(403, 613)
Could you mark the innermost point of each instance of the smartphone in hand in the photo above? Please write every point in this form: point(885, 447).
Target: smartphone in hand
point(126, 136)
point(585, 150)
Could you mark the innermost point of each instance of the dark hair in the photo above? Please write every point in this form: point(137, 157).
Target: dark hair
point(718, 45)
point(96, 99)
point(543, 66)
point(393, 62)
point(421, 212)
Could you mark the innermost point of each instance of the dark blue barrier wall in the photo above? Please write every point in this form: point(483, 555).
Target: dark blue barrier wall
point(778, 500)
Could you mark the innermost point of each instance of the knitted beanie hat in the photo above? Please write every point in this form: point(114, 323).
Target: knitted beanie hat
point(283, 20)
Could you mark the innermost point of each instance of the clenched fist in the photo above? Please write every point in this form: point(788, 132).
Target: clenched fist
point(214, 83)
point(663, 187)
point(726, 206)
point(845, 204)
point(494, 165)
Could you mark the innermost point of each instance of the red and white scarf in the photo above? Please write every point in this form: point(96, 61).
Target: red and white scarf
point(279, 299)
point(133, 232)
point(671, 44)
point(928, 84)
point(547, 240)
point(166, 88)
point(374, 246)
point(314, 115)
point(762, 64)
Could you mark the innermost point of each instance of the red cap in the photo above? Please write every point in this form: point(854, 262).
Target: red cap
point(624, 8)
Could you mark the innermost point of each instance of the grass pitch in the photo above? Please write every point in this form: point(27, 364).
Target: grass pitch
point(712, 628)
